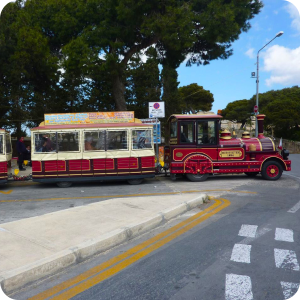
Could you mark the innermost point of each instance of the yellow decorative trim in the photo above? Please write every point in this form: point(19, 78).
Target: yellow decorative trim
point(273, 144)
point(191, 157)
point(192, 152)
point(270, 157)
point(259, 144)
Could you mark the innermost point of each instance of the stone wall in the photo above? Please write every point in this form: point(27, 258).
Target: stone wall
point(292, 146)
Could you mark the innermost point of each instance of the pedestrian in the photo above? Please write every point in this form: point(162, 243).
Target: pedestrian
point(28, 155)
point(21, 149)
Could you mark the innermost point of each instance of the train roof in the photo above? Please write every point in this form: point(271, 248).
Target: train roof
point(82, 126)
point(195, 116)
point(3, 130)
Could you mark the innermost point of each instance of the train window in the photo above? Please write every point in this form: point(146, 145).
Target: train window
point(173, 130)
point(1, 144)
point(68, 141)
point(8, 143)
point(94, 140)
point(45, 142)
point(206, 132)
point(117, 140)
point(141, 139)
point(187, 132)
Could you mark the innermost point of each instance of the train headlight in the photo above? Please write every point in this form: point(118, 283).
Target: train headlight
point(285, 154)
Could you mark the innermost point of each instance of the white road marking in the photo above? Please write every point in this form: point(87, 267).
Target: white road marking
point(238, 287)
point(241, 253)
point(289, 289)
point(260, 232)
point(248, 230)
point(294, 208)
point(285, 235)
point(286, 259)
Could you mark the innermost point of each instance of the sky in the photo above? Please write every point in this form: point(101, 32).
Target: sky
point(279, 63)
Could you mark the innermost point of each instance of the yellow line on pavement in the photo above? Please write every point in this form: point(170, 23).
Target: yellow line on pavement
point(6, 193)
point(124, 196)
point(101, 272)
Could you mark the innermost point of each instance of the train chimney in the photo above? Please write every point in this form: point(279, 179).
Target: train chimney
point(260, 121)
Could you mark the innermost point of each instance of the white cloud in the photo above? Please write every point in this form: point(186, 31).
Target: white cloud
point(250, 53)
point(284, 65)
point(295, 16)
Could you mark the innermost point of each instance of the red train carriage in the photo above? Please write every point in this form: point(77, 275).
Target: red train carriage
point(85, 152)
point(5, 154)
point(198, 149)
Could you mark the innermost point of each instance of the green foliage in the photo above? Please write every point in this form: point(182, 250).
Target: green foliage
point(239, 111)
point(143, 83)
point(281, 107)
point(83, 55)
point(194, 98)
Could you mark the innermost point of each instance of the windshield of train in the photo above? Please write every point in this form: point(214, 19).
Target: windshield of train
point(8, 144)
point(1, 144)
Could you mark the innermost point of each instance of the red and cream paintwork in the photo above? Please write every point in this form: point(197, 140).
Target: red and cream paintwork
point(92, 165)
point(227, 155)
point(5, 154)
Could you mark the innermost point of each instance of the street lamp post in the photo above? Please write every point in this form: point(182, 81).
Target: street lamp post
point(280, 33)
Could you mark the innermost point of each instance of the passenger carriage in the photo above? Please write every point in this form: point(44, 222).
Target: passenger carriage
point(198, 148)
point(5, 154)
point(63, 154)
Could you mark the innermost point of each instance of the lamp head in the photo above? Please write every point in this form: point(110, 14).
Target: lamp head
point(280, 33)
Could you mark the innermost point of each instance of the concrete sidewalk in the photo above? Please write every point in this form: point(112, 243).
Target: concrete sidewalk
point(37, 247)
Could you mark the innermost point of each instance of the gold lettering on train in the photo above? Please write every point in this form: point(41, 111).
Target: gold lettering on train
point(230, 153)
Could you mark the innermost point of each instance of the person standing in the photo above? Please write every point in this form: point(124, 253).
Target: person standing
point(21, 149)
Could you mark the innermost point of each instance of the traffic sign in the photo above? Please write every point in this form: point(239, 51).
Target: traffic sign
point(157, 109)
point(255, 108)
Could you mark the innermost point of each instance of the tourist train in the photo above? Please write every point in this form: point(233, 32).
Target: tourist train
point(68, 148)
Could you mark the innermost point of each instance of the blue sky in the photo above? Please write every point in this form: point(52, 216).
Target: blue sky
point(230, 80)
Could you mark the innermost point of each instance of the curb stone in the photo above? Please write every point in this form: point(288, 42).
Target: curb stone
point(13, 280)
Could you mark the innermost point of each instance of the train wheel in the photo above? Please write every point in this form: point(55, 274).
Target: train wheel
point(197, 177)
point(64, 184)
point(135, 181)
point(251, 174)
point(271, 170)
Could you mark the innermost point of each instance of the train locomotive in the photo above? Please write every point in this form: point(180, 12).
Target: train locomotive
point(198, 147)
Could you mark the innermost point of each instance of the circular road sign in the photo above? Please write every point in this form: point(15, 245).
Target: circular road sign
point(255, 108)
point(156, 105)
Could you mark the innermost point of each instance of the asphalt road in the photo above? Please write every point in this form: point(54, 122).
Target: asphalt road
point(248, 250)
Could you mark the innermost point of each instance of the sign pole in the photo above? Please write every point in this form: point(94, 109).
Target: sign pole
point(157, 158)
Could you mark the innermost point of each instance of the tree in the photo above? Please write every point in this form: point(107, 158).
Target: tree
point(143, 83)
point(116, 30)
point(238, 110)
point(194, 98)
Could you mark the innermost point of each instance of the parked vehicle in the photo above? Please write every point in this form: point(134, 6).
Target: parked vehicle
point(198, 148)
point(5, 154)
point(64, 154)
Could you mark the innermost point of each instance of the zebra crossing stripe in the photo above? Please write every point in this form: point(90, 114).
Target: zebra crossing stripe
point(286, 259)
point(238, 287)
point(285, 235)
point(241, 253)
point(294, 208)
point(289, 289)
point(248, 230)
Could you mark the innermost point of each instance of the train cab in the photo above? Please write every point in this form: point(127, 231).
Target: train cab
point(197, 148)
